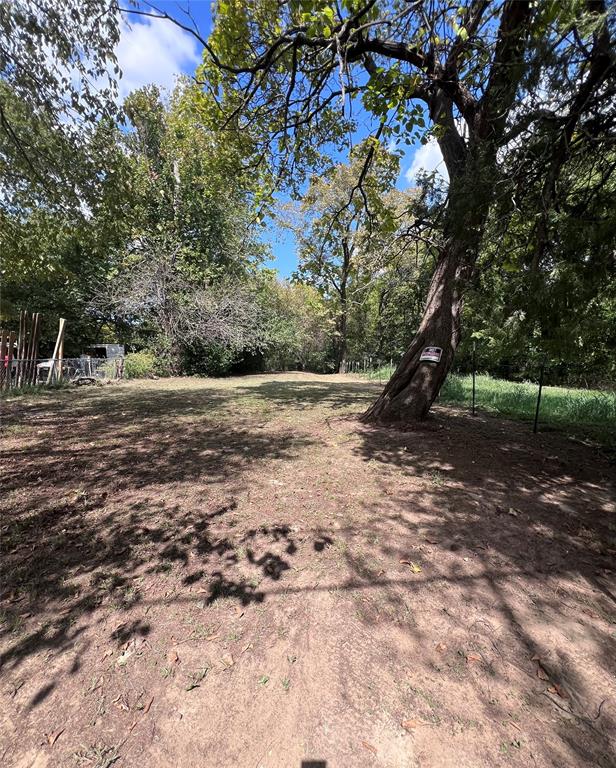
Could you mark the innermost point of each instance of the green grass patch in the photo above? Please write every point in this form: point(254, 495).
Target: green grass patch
point(383, 373)
point(33, 390)
point(585, 412)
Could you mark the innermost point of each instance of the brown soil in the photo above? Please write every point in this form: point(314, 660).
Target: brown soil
point(239, 573)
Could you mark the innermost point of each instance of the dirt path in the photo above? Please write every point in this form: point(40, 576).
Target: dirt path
point(238, 573)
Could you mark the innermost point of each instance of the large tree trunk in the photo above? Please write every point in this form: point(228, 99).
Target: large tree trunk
point(413, 387)
point(473, 171)
point(415, 384)
point(344, 310)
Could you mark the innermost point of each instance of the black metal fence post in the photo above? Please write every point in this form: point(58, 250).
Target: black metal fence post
point(474, 371)
point(539, 396)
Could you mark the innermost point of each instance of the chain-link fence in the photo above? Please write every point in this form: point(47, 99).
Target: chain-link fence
point(77, 370)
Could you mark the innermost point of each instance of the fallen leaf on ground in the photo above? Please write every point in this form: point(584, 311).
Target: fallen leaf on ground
point(413, 566)
point(369, 747)
point(441, 647)
point(542, 674)
point(124, 656)
point(227, 660)
point(146, 709)
point(409, 725)
point(470, 657)
point(172, 656)
point(53, 737)
point(120, 702)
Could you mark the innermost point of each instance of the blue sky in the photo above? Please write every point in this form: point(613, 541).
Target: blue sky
point(157, 51)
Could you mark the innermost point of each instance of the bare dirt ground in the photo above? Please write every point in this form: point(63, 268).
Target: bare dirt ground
point(238, 573)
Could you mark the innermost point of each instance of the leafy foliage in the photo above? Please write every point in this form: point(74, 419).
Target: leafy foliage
point(298, 327)
point(140, 365)
point(144, 224)
point(57, 78)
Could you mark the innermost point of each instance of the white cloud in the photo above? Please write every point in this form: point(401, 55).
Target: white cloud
point(427, 158)
point(154, 51)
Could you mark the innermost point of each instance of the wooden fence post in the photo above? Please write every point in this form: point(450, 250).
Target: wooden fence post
point(2, 357)
point(20, 345)
point(56, 351)
point(8, 380)
point(60, 358)
point(36, 335)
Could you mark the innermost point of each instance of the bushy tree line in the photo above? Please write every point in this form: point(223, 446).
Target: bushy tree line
point(161, 250)
point(521, 309)
point(142, 223)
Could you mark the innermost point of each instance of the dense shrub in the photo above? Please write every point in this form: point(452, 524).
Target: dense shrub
point(139, 365)
point(209, 360)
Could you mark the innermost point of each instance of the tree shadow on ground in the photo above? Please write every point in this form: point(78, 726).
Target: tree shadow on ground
point(305, 395)
point(131, 483)
point(525, 532)
point(519, 527)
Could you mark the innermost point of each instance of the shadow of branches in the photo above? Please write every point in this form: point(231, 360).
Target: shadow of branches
point(469, 534)
point(129, 485)
point(514, 533)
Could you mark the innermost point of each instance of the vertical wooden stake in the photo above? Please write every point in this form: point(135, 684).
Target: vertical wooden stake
point(20, 345)
point(8, 381)
point(35, 348)
point(60, 357)
point(2, 357)
point(23, 349)
point(474, 373)
point(28, 351)
point(31, 351)
point(56, 350)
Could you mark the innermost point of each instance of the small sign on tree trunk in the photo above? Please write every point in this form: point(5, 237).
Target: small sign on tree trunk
point(431, 355)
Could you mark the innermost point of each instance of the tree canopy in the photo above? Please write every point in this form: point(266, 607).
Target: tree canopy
point(492, 82)
point(144, 221)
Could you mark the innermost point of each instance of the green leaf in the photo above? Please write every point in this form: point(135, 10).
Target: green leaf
point(509, 266)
